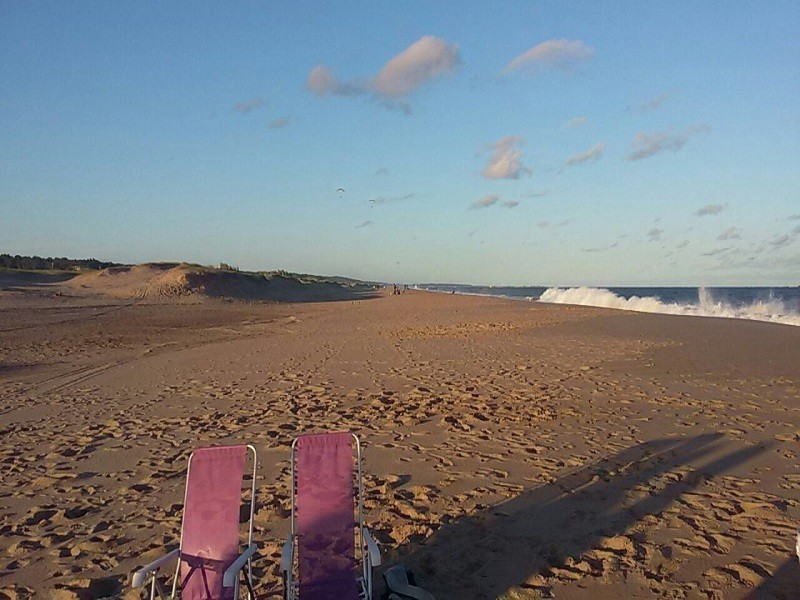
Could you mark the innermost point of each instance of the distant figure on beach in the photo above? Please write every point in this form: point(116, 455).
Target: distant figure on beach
point(394, 291)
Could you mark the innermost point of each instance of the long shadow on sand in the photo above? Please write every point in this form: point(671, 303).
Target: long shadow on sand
point(484, 555)
point(292, 292)
point(8, 368)
point(783, 585)
point(21, 279)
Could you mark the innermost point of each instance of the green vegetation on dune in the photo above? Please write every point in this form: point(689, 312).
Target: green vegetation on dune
point(37, 264)
point(62, 264)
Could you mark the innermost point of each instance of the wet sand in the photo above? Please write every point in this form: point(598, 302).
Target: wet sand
point(511, 449)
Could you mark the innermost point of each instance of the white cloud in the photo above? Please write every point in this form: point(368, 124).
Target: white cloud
point(654, 235)
point(424, 60)
point(592, 154)
point(506, 159)
point(486, 201)
point(280, 122)
point(710, 209)
point(322, 82)
point(577, 121)
point(248, 105)
point(560, 54)
point(731, 233)
point(648, 144)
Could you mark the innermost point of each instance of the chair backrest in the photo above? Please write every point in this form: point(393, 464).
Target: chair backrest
point(323, 519)
point(210, 531)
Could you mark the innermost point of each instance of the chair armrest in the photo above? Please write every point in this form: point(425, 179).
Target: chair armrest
point(140, 576)
point(287, 553)
point(229, 577)
point(372, 548)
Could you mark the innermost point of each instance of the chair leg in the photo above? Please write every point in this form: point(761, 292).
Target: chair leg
point(157, 587)
point(251, 595)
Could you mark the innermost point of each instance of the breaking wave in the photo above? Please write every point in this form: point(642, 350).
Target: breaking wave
point(772, 310)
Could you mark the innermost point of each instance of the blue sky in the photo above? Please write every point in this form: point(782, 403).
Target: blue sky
point(520, 143)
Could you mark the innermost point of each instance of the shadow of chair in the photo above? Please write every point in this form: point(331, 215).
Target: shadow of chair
point(485, 554)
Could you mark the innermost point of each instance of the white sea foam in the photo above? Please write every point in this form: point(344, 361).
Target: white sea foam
point(772, 310)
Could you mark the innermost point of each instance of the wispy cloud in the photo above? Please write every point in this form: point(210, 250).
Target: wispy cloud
point(756, 258)
point(591, 155)
point(389, 199)
point(280, 122)
point(649, 144)
point(249, 105)
point(781, 241)
point(652, 104)
point(654, 235)
point(486, 201)
point(423, 61)
point(683, 244)
point(364, 224)
point(602, 248)
point(506, 159)
point(543, 224)
point(716, 251)
point(793, 218)
point(558, 54)
point(382, 171)
point(710, 209)
point(537, 194)
point(576, 122)
point(731, 233)
point(509, 204)
point(322, 82)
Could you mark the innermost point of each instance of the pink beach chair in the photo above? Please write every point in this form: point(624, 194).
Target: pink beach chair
point(319, 560)
point(208, 556)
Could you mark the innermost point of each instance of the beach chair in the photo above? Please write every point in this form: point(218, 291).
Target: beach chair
point(319, 560)
point(208, 556)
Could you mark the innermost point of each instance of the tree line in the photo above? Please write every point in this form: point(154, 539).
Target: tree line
point(37, 263)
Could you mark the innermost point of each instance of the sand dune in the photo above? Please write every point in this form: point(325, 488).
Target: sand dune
point(155, 281)
point(512, 450)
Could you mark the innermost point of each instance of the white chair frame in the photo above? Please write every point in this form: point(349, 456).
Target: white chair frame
point(370, 554)
point(231, 576)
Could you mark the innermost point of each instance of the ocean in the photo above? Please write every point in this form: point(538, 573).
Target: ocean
point(772, 304)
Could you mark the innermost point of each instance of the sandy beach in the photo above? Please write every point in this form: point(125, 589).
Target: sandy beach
point(512, 449)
